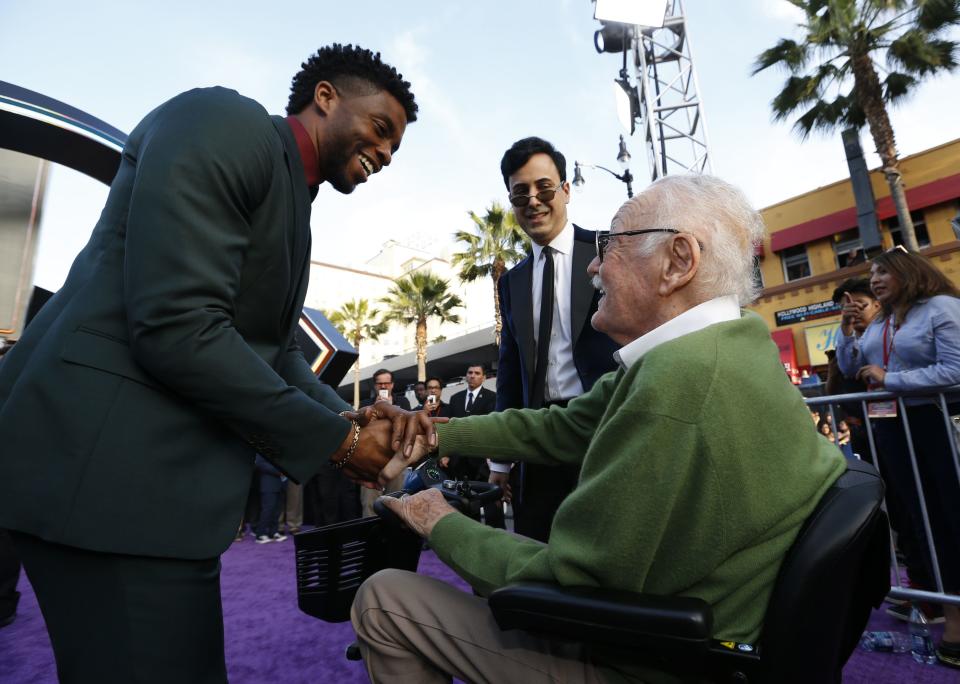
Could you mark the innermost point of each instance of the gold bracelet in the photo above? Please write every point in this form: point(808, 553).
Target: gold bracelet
point(353, 447)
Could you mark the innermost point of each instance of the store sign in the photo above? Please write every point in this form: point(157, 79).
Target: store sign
point(807, 312)
point(820, 339)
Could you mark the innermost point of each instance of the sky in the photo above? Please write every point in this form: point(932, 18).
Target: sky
point(484, 73)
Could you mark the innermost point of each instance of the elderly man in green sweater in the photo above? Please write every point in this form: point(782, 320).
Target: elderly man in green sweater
point(698, 461)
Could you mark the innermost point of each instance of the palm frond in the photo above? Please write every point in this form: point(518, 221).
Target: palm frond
point(786, 53)
point(897, 86)
point(934, 16)
point(916, 53)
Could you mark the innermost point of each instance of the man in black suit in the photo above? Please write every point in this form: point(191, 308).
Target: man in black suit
point(549, 352)
point(142, 389)
point(476, 400)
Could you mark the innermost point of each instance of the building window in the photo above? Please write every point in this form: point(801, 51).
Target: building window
point(919, 227)
point(757, 274)
point(795, 263)
point(847, 248)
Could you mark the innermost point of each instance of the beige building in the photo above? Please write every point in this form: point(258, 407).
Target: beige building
point(331, 285)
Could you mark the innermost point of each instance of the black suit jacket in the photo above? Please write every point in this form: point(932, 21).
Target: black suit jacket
point(592, 350)
point(142, 389)
point(484, 402)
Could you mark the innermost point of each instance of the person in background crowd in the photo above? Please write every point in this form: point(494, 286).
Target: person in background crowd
point(434, 406)
point(914, 344)
point(678, 491)
point(383, 388)
point(548, 353)
point(272, 484)
point(475, 400)
point(420, 392)
point(843, 440)
point(859, 308)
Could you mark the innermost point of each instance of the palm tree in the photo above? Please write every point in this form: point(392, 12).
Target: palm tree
point(835, 70)
point(496, 243)
point(413, 299)
point(357, 322)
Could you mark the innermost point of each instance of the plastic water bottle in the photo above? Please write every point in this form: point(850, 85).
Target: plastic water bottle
point(886, 642)
point(921, 643)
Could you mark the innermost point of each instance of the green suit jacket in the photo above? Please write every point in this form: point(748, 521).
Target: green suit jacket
point(131, 408)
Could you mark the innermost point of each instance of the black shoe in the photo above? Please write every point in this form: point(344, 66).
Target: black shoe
point(949, 654)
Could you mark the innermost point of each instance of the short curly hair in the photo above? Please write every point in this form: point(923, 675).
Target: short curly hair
point(350, 69)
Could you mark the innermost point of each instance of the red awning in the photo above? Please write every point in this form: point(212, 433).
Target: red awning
point(928, 194)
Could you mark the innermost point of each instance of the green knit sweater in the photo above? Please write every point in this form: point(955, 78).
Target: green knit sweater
point(698, 466)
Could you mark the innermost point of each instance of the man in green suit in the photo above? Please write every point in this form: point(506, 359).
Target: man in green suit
point(144, 387)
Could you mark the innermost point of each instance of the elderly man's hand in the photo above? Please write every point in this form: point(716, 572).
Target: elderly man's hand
point(420, 511)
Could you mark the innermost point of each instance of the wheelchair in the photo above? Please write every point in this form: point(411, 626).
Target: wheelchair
point(835, 572)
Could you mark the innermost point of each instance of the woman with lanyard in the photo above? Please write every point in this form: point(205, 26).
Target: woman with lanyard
point(914, 345)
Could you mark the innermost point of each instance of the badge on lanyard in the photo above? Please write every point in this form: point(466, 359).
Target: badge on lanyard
point(887, 408)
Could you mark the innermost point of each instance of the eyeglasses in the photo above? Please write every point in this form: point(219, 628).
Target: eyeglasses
point(603, 237)
point(898, 248)
point(542, 196)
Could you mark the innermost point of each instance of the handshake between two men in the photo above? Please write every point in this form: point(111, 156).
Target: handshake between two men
point(384, 439)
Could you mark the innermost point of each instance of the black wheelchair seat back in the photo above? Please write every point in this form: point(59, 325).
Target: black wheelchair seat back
point(836, 570)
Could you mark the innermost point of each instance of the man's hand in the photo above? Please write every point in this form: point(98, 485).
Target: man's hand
point(420, 511)
point(373, 452)
point(873, 375)
point(502, 480)
point(406, 425)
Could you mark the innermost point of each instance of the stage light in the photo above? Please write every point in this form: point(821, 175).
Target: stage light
point(639, 12)
point(610, 38)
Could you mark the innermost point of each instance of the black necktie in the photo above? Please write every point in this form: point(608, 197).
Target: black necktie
point(545, 329)
point(469, 401)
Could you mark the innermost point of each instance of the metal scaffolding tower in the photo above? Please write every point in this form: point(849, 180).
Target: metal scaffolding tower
point(670, 110)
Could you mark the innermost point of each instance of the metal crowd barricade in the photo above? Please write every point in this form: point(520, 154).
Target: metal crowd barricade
point(904, 400)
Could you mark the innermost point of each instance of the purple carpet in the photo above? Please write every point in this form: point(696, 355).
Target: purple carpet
point(269, 639)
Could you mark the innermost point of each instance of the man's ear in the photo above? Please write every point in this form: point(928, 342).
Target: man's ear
point(325, 97)
point(681, 264)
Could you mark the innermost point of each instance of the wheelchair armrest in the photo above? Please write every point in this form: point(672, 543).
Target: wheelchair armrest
point(675, 624)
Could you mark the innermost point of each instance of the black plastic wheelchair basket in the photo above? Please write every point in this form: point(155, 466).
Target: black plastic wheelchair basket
point(333, 561)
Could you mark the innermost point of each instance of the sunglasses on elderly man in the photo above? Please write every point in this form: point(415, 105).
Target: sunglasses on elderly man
point(604, 236)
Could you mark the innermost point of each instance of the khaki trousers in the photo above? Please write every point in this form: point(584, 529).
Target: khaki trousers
point(413, 628)
point(293, 511)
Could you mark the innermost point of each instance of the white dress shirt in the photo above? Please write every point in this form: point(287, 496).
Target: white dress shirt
point(708, 313)
point(562, 380)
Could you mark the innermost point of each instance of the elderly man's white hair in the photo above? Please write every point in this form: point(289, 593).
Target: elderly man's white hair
point(720, 216)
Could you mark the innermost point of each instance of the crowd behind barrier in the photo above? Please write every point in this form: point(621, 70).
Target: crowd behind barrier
point(864, 407)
